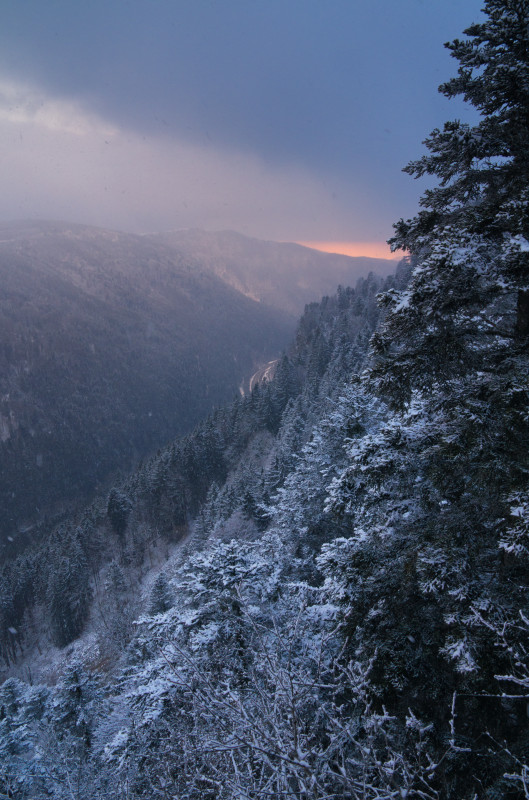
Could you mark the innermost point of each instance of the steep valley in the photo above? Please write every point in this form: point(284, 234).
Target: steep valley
point(110, 345)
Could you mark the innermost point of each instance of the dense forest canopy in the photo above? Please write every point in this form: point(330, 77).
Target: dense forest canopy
point(341, 608)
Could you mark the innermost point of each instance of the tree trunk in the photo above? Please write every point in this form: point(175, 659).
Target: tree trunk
point(521, 329)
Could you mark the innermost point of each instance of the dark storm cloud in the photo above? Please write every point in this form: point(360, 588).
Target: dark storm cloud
point(342, 88)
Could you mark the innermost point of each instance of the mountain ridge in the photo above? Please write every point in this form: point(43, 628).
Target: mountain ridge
point(285, 275)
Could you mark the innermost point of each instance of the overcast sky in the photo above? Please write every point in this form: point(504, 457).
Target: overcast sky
point(282, 119)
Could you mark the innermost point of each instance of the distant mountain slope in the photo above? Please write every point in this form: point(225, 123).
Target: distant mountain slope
point(281, 274)
point(110, 344)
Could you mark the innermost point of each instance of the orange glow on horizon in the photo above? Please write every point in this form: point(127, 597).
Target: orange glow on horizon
point(369, 249)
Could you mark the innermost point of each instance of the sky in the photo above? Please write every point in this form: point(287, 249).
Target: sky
point(288, 120)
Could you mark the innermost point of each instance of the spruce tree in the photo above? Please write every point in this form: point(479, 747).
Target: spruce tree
point(467, 305)
point(118, 510)
point(436, 560)
point(68, 592)
point(483, 168)
point(161, 596)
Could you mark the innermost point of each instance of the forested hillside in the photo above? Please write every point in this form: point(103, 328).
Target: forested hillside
point(83, 578)
point(321, 593)
point(110, 346)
